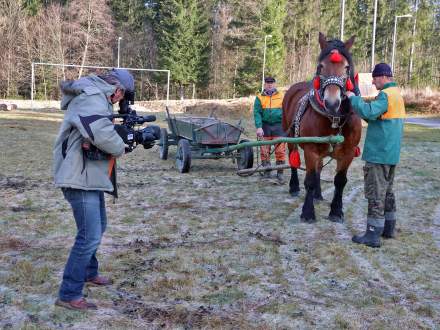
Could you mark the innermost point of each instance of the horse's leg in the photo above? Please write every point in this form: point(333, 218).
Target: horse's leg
point(336, 213)
point(318, 194)
point(310, 183)
point(294, 181)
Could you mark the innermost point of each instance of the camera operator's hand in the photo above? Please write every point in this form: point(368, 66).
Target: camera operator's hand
point(128, 149)
point(125, 133)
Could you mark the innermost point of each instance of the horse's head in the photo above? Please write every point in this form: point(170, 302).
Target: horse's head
point(334, 72)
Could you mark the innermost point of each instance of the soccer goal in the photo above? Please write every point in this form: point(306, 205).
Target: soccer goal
point(150, 84)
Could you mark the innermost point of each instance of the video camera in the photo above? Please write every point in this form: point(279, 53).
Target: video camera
point(127, 130)
point(131, 136)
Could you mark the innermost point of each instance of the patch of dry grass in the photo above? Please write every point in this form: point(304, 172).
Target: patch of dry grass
point(209, 249)
point(423, 101)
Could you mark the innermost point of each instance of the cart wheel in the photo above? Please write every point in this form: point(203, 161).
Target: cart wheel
point(163, 147)
point(183, 156)
point(245, 158)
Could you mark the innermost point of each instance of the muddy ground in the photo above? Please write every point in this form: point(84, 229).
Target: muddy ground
point(210, 249)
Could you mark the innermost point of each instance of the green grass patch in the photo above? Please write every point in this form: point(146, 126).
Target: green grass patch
point(225, 296)
point(27, 274)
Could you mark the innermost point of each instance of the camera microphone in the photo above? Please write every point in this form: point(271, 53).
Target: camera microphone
point(150, 118)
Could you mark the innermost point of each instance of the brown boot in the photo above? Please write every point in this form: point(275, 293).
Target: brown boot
point(99, 281)
point(78, 304)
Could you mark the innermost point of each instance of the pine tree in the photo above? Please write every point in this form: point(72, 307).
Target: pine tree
point(245, 37)
point(272, 17)
point(183, 41)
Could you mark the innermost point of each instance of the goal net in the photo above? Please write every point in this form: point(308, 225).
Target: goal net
point(150, 84)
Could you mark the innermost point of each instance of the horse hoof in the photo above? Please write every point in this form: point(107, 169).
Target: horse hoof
point(336, 219)
point(305, 220)
point(294, 193)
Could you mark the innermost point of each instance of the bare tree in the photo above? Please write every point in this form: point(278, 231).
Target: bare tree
point(89, 32)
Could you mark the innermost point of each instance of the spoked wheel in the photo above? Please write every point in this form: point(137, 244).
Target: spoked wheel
point(245, 159)
point(163, 149)
point(183, 156)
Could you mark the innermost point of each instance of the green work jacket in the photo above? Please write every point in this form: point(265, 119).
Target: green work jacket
point(385, 116)
point(268, 109)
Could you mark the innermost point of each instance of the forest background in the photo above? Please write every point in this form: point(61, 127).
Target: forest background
point(213, 48)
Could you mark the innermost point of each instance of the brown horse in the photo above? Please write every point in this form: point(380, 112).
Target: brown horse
point(320, 108)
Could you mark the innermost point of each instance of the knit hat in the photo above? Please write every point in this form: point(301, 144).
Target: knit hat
point(124, 77)
point(269, 80)
point(382, 69)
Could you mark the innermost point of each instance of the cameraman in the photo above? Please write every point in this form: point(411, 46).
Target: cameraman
point(89, 104)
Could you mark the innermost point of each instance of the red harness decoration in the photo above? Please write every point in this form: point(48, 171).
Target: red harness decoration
point(316, 83)
point(295, 159)
point(317, 86)
point(357, 151)
point(335, 57)
point(318, 98)
point(349, 85)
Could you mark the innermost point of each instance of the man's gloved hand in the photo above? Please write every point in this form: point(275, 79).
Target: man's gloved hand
point(260, 132)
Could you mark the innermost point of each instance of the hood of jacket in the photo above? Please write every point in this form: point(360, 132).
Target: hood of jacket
point(90, 84)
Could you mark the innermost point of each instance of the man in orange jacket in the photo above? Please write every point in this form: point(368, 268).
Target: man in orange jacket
point(268, 113)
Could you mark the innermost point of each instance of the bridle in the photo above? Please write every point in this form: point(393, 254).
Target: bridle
point(321, 82)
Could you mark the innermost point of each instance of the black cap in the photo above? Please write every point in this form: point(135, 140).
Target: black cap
point(269, 80)
point(382, 69)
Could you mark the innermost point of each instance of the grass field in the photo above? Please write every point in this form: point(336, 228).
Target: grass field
point(210, 249)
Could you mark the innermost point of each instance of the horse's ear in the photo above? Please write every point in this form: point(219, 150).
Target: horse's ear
point(322, 41)
point(349, 43)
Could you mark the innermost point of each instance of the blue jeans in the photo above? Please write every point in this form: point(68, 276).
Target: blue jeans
point(91, 220)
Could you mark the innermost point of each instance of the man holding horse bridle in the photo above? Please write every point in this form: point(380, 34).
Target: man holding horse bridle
point(385, 117)
point(268, 115)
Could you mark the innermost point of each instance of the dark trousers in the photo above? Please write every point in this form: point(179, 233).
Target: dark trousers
point(378, 180)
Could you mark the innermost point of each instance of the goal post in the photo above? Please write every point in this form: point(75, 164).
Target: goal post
point(34, 64)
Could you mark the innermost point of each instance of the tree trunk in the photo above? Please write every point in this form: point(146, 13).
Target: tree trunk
point(89, 26)
point(413, 36)
point(181, 92)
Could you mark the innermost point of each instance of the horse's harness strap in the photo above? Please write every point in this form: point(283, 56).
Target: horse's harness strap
point(335, 120)
point(333, 80)
point(299, 114)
